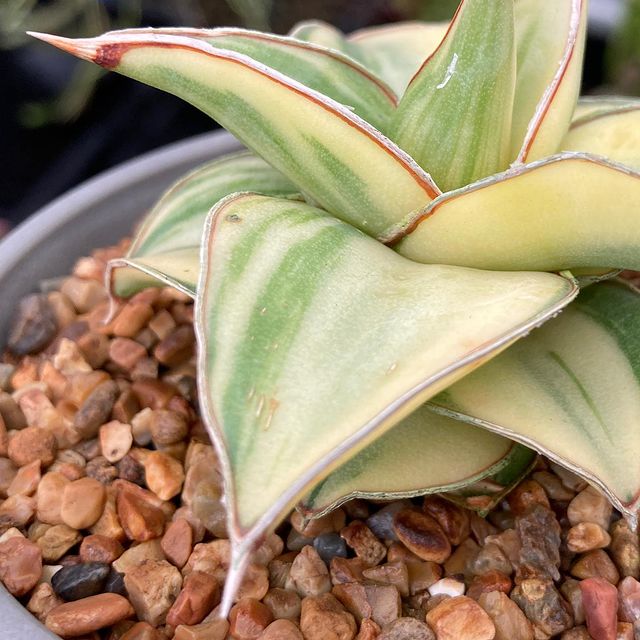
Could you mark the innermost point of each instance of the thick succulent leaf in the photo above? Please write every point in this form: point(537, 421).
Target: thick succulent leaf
point(324, 70)
point(614, 135)
point(455, 116)
point(334, 157)
point(571, 390)
point(315, 339)
point(166, 248)
point(602, 105)
point(565, 212)
point(487, 493)
point(454, 455)
point(395, 52)
point(324, 34)
point(550, 54)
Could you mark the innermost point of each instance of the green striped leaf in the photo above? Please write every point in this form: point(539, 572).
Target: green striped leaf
point(614, 134)
point(571, 390)
point(550, 55)
point(166, 248)
point(456, 455)
point(487, 493)
point(455, 117)
point(329, 72)
point(315, 339)
point(395, 52)
point(559, 213)
point(334, 157)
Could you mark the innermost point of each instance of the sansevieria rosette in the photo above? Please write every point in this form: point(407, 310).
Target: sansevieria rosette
point(417, 200)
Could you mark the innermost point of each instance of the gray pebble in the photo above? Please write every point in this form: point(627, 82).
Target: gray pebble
point(330, 545)
point(80, 580)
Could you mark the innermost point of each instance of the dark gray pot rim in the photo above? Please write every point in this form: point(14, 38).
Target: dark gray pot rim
point(20, 248)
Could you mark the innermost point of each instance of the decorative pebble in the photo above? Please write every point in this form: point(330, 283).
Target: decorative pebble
point(590, 506)
point(586, 536)
point(600, 600)
point(422, 534)
point(80, 580)
point(164, 475)
point(629, 599)
point(323, 612)
point(509, 621)
point(200, 593)
point(362, 540)
point(281, 630)
point(32, 444)
point(460, 618)
point(82, 503)
point(115, 440)
point(20, 565)
point(96, 409)
point(115, 583)
point(56, 541)
point(596, 564)
point(453, 519)
point(85, 616)
point(309, 573)
point(34, 325)
point(248, 619)
point(406, 629)
point(448, 587)
point(330, 545)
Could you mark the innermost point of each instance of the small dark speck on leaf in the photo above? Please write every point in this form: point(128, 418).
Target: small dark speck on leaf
point(232, 217)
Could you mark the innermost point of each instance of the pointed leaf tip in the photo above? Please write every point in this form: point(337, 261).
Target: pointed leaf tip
point(85, 48)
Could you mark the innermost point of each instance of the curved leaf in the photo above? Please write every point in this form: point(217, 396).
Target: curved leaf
point(315, 339)
point(329, 153)
point(324, 34)
point(614, 134)
point(166, 248)
point(455, 116)
point(321, 69)
point(565, 212)
point(395, 52)
point(571, 390)
point(602, 105)
point(457, 455)
point(550, 53)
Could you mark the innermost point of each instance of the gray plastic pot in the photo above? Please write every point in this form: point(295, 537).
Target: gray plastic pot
point(97, 213)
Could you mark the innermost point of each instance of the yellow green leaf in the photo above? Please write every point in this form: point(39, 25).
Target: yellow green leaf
point(571, 390)
point(455, 116)
point(565, 212)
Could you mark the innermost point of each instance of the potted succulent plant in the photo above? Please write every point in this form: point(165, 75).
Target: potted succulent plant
point(422, 198)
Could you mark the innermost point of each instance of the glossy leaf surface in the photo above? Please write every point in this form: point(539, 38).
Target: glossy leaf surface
point(315, 339)
point(166, 248)
point(455, 117)
point(424, 453)
point(556, 214)
point(570, 390)
point(330, 154)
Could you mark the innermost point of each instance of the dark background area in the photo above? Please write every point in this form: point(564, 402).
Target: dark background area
point(62, 121)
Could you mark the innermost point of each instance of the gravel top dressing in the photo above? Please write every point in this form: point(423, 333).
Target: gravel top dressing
point(112, 523)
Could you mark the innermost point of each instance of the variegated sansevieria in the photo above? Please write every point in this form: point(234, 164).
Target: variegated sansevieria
point(416, 198)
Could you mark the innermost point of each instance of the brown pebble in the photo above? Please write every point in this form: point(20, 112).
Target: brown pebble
point(586, 536)
point(600, 600)
point(453, 519)
point(126, 352)
point(525, 496)
point(248, 619)
point(97, 548)
point(595, 564)
point(17, 511)
point(624, 549)
point(379, 602)
point(200, 594)
point(487, 582)
point(49, 497)
point(83, 294)
point(460, 617)
point(153, 587)
point(324, 618)
point(362, 540)
point(283, 603)
point(152, 393)
point(132, 318)
point(509, 621)
point(20, 565)
point(255, 582)
point(590, 506)
point(34, 325)
point(115, 440)
point(214, 630)
point(167, 427)
point(164, 475)
point(309, 573)
point(422, 535)
point(56, 541)
point(136, 555)
point(406, 629)
point(96, 409)
point(330, 523)
point(281, 630)
point(177, 347)
point(82, 503)
point(26, 481)
point(177, 542)
point(125, 407)
point(346, 570)
point(74, 619)
point(142, 631)
point(212, 557)
point(43, 599)
point(543, 605)
point(101, 470)
point(393, 573)
point(32, 444)
point(140, 520)
point(422, 575)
